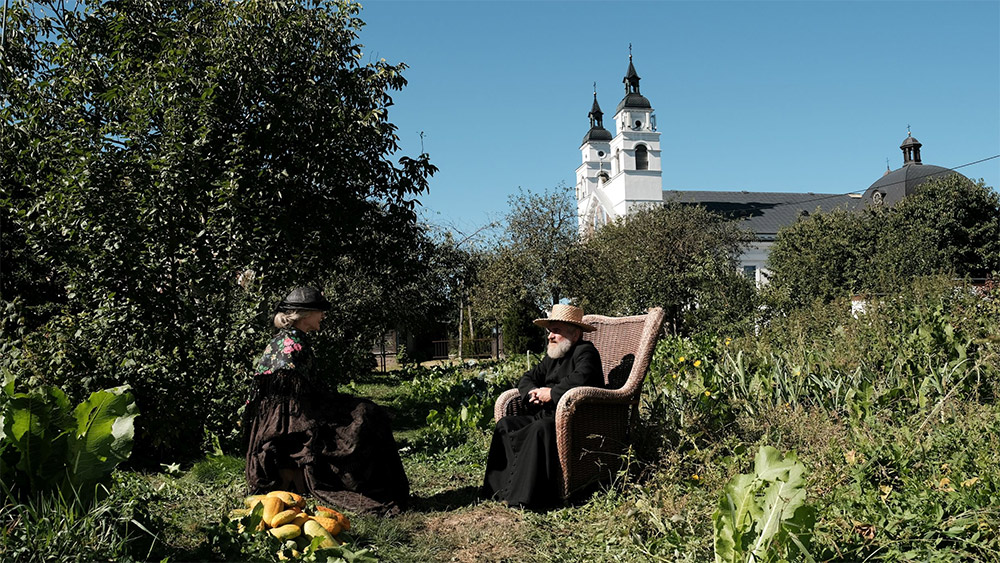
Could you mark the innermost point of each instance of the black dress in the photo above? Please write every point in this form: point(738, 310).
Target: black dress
point(523, 465)
point(343, 444)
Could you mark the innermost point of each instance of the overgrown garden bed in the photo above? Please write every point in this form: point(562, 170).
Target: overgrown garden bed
point(892, 416)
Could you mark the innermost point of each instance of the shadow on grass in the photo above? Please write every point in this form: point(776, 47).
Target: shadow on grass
point(446, 500)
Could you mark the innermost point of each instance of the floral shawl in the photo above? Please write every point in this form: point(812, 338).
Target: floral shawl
point(289, 350)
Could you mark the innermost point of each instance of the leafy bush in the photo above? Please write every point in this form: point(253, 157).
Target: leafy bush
point(678, 257)
point(950, 225)
point(893, 409)
point(170, 170)
point(45, 447)
point(910, 351)
point(468, 399)
point(683, 399)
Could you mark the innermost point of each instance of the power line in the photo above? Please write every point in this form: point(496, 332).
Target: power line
point(938, 172)
point(929, 175)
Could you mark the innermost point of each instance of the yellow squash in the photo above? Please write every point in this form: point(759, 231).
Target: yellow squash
point(345, 524)
point(314, 529)
point(284, 517)
point(272, 506)
point(286, 532)
point(290, 499)
point(329, 524)
point(252, 500)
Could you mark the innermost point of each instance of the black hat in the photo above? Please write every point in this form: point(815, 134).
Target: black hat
point(304, 299)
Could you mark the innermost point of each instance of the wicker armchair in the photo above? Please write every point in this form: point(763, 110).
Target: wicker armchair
point(592, 424)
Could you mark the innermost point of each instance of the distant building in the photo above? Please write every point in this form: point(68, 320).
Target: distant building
point(623, 172)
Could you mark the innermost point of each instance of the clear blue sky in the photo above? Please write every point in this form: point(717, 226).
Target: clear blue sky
point(759, 96)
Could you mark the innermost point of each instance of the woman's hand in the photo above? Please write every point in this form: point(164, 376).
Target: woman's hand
point(540, 395)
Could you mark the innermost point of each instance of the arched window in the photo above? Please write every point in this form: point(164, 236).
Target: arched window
point(641, 158)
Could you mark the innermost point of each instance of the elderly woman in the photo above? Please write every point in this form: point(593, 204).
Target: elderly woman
point(307, 439)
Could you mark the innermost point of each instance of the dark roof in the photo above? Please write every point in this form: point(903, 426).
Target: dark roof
point(764, 213)
point(902, 182)
point(595, 109)
point(597, 134)
point(631, 73)
point(633, 100)
point(910, 141)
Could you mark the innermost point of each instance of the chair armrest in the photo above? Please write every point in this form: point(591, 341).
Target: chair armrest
point(591, 395)
point(508, 403)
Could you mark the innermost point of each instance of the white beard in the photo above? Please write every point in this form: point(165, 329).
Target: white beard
point(558, 350)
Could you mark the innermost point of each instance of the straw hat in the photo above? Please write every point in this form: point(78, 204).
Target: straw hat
point(568, 314)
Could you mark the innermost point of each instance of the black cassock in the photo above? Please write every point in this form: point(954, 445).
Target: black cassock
point(523, 464)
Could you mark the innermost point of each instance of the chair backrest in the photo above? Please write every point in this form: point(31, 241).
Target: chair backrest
point(617, 337)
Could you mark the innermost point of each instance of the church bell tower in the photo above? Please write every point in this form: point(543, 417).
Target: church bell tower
point(594, 172)
point(636, 170)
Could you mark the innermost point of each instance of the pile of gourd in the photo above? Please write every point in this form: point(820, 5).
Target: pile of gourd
point(284, 516)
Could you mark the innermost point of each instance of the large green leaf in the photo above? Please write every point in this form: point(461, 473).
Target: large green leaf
point(770, 464)
point(781, 499)
point(37, 424)
point(736, 506)
point(104, 433)
point(764, 509)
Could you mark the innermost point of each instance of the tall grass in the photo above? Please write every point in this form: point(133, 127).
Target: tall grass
point(893, 410)
point(52, 527)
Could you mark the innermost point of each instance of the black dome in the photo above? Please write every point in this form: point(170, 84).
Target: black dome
point(633, 100)
point(902, 182)
point(597, 134)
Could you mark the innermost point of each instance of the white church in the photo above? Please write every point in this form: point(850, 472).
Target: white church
point(623, 172)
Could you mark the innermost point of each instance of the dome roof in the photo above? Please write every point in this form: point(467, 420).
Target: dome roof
point(597, 134)
point(633, 100)
point(902, 182)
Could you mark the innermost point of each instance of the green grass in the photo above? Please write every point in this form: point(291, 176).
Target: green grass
point(901, 472)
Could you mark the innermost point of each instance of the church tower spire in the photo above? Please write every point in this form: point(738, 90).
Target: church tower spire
point(631, 79)
point(596, 115)
point(593, 173)
point(636, 173)
point(911, 149)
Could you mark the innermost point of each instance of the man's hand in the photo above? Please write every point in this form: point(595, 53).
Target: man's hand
point(540, 395)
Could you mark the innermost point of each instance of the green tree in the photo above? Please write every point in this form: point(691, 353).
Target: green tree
point(172, 168)
point(519, 333)
point(821, 256)
point(527, 267)
point(679, 257)
point(440, 296)
point(950, 225)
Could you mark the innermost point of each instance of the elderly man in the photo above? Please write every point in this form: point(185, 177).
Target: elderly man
point(523, 465)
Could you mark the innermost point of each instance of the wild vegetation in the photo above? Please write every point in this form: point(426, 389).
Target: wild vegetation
point(881, 427)
point(950, 225)
point(165, 178)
